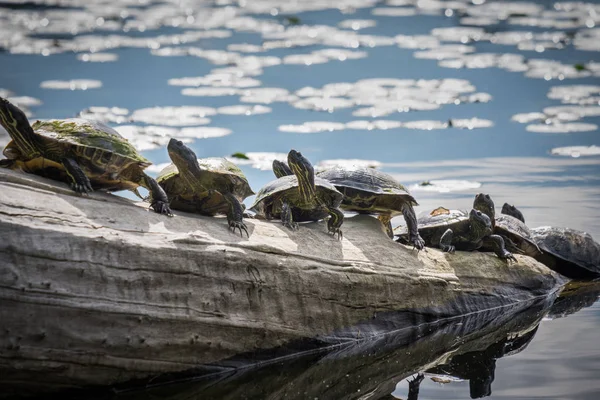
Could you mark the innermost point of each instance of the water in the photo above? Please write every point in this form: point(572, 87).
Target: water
point(510, 161)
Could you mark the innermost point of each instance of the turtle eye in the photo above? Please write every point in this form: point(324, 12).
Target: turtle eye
point(478, 212)
point(487, 196)
point(179, 143)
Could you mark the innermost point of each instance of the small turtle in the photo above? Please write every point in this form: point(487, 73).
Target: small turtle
point(452, 230)
point(87, 154)
point(574, 254)
point(517, 236)
point(300, 197)
point(511, 210)
point(369, 191)
point(206, 186)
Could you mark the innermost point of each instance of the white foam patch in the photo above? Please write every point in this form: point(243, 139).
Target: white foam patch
point(147, 137)
point(210, 91)
point(98, 57)
point(576, 151)
point(444, 186)
point(348, 163)
point(244, 110)
point(525, 118)
point(471, 123)
point(373, 125)
point(115, 115)
point(562, 128)
point(394, 11)
point(357, 24)
point(259, 160)
point(245, 48)
point(174, 116)
point(75, 84)
point(313, 127)
point(426, 125)
point(24, 101)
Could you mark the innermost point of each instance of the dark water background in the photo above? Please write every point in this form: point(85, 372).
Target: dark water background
point(505, 160)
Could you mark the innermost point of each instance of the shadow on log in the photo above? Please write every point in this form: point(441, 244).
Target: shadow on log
point(98, 290)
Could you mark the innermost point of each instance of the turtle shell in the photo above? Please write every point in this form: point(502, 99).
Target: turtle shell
point(433, 224)
point(367, 190)
point(518, 233)
point(100, 151)
point(92, 140)
point(221, 175)
point(286, 188)
point(570, 252)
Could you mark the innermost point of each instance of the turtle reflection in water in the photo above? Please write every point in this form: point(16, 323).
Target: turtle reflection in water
point(206, 186)
point(369, 191)
point(86, 154)
point(300, 197)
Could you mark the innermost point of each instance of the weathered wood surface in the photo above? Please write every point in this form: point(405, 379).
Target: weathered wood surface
point(99, 290)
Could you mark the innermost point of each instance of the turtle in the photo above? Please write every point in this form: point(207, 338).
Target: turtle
point(207, 186)
point(574, 254)
point(452, 230)
point(85, 153)
point(369, 191)
point(517, 236)
point(300, 197)
point(509, 209)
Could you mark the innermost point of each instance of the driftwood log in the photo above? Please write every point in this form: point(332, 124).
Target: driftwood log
point(98, 290)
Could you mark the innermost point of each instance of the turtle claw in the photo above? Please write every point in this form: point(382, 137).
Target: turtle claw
point(84, 188)
point(336, 231)
point(449, 249)
point(233, 225)
point(161, 207)
point(508, 256)
point(418, 243)
point(292, 225)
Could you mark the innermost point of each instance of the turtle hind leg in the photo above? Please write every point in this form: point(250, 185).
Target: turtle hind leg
point(386, 220)
point(497, 243)
point(335, 222)
point(235, 214)
point(287, 218)
point(446, 241)
point(159, 201)
point(412, 225)
point(79, 181)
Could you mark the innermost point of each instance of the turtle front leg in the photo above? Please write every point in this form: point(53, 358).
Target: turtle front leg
point(286, 217)
point(79, 181)
point(386, 220)
point(446, 241)
point(235, 215)
point(335, 222)
point(413, 227)
point(159, 201)
point(497, 243)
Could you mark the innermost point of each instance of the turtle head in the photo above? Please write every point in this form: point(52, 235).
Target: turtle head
point(485, 204)
point(513, 212)
point(281, 169)
point(305, 173)
point(480, 222)
point(182, 156)
point(16, 124)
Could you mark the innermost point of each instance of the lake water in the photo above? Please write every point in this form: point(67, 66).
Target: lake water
point(367, 82)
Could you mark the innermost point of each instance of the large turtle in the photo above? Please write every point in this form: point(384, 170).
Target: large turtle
point(452, 230)
point(206, 186)
point(517, 236)
point(300, 197)
point(87, 154)
point(369, 191)
point(573, 253)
